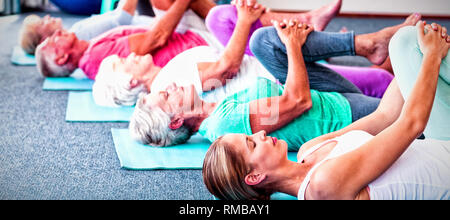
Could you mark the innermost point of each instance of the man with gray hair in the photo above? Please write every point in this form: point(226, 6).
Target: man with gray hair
point(63, 52)
point(115, 85)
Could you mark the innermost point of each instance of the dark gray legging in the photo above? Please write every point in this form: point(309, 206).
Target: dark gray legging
point(361, 105)
point(271, 52)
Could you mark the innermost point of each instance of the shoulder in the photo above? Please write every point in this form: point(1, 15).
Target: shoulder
point(325, 183)
point(321, 185)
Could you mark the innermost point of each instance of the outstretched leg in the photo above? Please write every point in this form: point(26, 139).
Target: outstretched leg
point(319, 18)
point(271, 52)
point(222, 20)
point(374, 46)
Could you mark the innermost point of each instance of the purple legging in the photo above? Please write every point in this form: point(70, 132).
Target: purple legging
point(371, 81)
point(222, 20)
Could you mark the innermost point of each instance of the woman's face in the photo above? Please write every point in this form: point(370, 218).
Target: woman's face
point(174, 100)
point(260, 151)
point(135, 65)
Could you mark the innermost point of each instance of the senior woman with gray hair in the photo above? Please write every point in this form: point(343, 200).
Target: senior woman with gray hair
point(293, 112)
point(120, 80)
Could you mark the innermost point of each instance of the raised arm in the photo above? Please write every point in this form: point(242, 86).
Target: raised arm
point(345, 176)
point(157, 36)
point(272, 113)
point(387, 113)
point(229, 64)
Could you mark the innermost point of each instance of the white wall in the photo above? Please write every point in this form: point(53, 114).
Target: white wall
point(393, 7)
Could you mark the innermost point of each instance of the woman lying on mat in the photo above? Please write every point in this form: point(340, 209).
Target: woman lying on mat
point(63, 52)
point(222, 20)
point(62, 58)
point(120, 80)
point(376, 157)
point(294, 111)
point(35, 29)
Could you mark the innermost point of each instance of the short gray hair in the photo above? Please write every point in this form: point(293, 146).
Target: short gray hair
point(112, 88)
point(151, 126)
point(46, 65)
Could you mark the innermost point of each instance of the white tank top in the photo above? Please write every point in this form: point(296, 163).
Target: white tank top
point(421, 173)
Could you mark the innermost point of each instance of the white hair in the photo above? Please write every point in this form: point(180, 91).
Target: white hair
point(112, 88)
point(46, 65)
point(151, 126)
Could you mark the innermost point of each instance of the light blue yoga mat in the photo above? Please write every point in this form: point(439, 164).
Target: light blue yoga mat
point(82, 108)
point(276, 196)
point(19, 57)
point(136, 156)
point(76, 82)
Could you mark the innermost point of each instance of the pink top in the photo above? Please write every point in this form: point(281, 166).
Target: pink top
point(115, 42)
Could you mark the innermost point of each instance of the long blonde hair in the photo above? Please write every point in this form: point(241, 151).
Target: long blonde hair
point(224, 173)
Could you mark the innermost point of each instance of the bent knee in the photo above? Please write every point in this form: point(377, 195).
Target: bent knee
point(405, 37)
point(262, 39)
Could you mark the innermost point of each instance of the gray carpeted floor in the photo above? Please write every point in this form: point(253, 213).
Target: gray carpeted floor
point(44, 157)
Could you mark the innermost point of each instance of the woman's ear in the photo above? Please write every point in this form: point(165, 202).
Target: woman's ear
point(62, 59)
point(253, 179)
point(176, 123)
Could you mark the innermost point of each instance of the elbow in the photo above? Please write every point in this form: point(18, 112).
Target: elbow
point(160, 38)
point(307, 103)
point(385, 115)
point(415, 124)
point(303, 104)
point(418, 127)
point(229, 67)
point(232, 71)
point(299, 105)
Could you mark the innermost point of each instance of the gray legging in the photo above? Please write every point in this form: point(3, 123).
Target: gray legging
point(271, 52)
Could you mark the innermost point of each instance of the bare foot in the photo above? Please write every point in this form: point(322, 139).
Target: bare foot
point(319, 17)
point(374, 46)
point(322, 16)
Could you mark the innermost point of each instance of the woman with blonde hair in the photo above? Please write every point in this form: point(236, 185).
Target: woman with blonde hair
point(376, 157)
